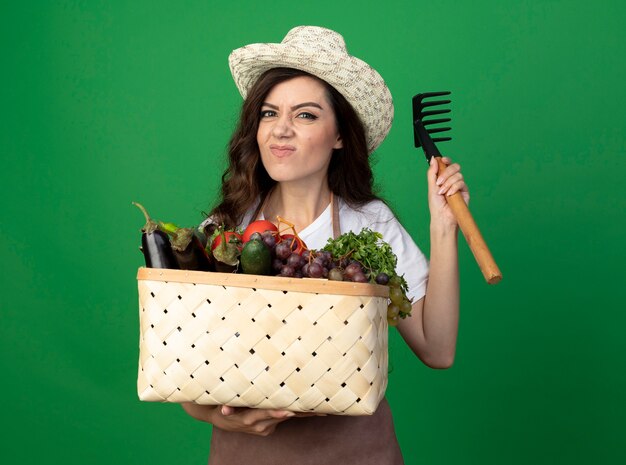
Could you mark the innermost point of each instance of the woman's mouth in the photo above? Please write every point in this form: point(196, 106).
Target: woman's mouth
point(281, 151)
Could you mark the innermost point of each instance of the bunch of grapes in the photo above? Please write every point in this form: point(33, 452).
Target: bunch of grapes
point(399, 305)
point(291, 260)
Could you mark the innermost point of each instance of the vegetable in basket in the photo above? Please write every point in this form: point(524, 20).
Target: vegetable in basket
point(225, 249)
point(256, 257)
point(187, 247)
point(155, 244)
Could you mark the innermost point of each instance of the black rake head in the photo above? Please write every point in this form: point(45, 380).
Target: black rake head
point(424, 124)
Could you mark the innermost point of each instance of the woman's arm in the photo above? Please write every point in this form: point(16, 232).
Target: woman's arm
point(431, 331)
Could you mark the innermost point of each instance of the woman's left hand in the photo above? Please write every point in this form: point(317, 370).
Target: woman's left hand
point(442, 185)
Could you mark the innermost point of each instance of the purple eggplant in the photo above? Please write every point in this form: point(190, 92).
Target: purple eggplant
point(188, 248)
point(155, 244)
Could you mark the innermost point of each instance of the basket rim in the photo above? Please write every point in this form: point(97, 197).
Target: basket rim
point(310, 285)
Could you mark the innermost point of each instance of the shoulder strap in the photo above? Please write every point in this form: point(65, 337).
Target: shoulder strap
point(259, 208)
point(334, 211)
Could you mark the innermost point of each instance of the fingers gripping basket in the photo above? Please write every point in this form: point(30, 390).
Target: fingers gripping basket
point(262, 342)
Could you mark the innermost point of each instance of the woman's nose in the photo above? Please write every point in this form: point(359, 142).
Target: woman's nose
point(283, 127)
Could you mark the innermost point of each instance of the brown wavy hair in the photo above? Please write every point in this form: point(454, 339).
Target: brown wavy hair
point(245, 182)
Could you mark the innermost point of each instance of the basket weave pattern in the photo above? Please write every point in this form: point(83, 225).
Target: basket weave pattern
point(251, 346)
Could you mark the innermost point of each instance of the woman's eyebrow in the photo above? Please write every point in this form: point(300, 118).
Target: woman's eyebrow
point(307, 104)
point(295, 107)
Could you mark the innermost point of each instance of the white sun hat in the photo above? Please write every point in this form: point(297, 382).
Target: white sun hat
point(322, 53)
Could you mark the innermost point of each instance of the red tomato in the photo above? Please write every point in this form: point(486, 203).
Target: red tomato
point(227, 234)
point(259, 226)
point(297, 245)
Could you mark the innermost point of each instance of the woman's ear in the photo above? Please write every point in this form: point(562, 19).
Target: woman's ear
point(338, 144)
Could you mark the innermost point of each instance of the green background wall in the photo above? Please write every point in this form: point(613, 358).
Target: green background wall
point(106, 102)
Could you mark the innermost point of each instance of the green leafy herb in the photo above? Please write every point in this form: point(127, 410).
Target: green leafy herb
point(370, 250)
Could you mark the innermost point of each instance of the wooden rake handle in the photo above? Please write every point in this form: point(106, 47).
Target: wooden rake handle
point(472, 234)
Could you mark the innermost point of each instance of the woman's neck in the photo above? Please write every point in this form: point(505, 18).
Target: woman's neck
point(300, 205)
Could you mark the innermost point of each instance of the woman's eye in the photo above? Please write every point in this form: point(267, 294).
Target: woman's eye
point(307, 115)
point(267, 113)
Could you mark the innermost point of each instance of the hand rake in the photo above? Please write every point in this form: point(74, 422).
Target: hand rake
point(423, 128)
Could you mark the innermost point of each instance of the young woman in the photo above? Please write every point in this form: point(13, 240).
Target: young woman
point(311, 117)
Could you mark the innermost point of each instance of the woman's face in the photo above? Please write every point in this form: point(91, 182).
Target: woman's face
point(297, 131)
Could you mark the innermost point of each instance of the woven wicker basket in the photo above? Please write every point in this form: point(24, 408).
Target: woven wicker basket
point(264, 342)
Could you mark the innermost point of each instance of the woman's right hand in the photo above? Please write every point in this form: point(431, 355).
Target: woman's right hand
point(261, 422)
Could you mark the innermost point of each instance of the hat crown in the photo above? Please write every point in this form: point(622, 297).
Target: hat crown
point(315, 37)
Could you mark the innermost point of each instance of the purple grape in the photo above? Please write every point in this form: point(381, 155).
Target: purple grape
point(277, 264)
point(359, 277)
point(295, 260)
point(382, 278)
point(270, 239)
point(287, 271)
point(283, 250)
point(256, 236)
point(316, 270)
point(352, 269)
point(305, 270)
